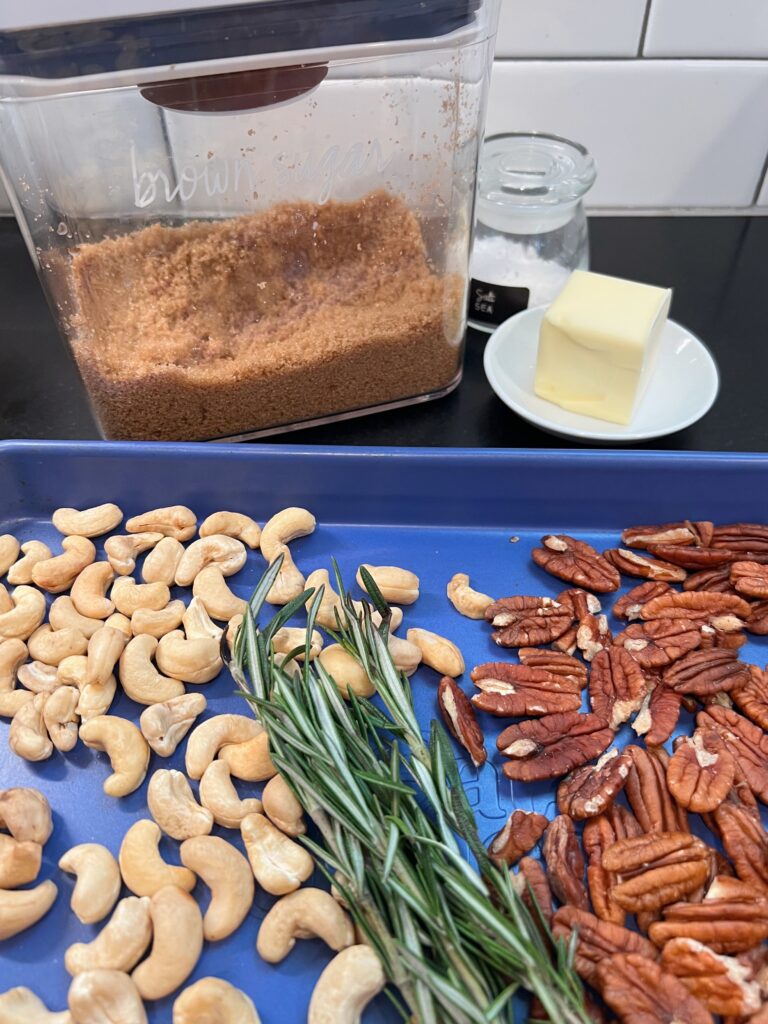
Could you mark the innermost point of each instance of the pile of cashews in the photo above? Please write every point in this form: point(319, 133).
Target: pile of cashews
point(58, 679)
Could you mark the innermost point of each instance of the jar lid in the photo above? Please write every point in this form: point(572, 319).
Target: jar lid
point(530, 181)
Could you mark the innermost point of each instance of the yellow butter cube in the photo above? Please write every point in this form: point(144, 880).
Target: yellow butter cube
point(598, 343)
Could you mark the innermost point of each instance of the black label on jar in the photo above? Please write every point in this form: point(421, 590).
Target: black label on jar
point(494, 303)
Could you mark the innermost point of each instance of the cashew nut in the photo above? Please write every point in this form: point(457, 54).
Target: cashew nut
point(27, 736)
point(289, 582)
point(284, 527)
point(176, 946)
point(21, 1006)
point(143, 869)
point(210, 736)
point(213, 1001)
point(98, 881)
point(227, 553)
point(39, 677)
point(121, 623)
point(438, 652)
point(233, 627)
point(175, 521)
point(397, 585)
point(52, 646)
point(191, 661)
point(197, 622)
point(104, 649)
point(157, 624)
point(6, 604)
point(125, 747)
point(105, 997)
point(464, 599)
point(120, 944)
point(26, 814)
point(289, 638)
point(165, 725)
point(233, 524)
point(249, 761)
point(331, 603)
point(95, 698)
point(21, 908)
point(64, 615)
point(406, 656)
point(306, 914)
point(219, 601)
point(122, 550)
point(282, 808)
point(162, 561)
point(129, 595)
point(346, 986)
point(25, 616)
point(59, 572)
point(139, 677)
point(19, 861)
point(172, 804)
point(61, 718)
point(13, 654)
point(218, 794)
point(279, 864)
point(228, 875)
point(9, 552)
point(91, 522)
point(34, 551)
point(12, 701)
point(89, 589)
point(346, 671)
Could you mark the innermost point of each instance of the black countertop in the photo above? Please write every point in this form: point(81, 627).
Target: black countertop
point(717, 266)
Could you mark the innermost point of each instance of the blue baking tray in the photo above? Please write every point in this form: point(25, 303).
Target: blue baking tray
point(436, 512)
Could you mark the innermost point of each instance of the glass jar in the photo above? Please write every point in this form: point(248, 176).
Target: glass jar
point(249, 217)
point(531, 229)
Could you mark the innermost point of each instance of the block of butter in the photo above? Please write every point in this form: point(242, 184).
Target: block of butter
point(598, 345)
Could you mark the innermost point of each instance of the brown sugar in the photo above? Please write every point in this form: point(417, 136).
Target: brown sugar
point(220, 328)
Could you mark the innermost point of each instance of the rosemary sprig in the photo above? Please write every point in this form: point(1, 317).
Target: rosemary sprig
point(455, 939)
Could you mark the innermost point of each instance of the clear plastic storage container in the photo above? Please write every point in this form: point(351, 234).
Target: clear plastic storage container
point(252, 217)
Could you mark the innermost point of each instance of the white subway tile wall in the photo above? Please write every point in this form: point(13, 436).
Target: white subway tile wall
point(707, 28)
point(570, 28)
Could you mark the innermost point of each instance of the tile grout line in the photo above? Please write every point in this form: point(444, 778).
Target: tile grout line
point(644, 28)
point(763, 177)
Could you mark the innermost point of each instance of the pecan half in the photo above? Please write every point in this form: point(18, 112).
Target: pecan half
point(741, 537)
point(656, 870)
point(527, 621)
point(716, 580)
point(521, 831)
point(567, 642)
point(750, 578)
point(757, 620)
point(648, 795)
point(752, 697)
point(658, 715)
point(705, 672)
point(745, 842)
point(732, 918)
point(647, 568)
point(593, 635)
point(692, 558)
point(700, 773)
point(459, 716)
point(727, 633)
point(565, 863)
point(508, 690)
point(640, 992)
point(532, 885)
point(720, 982)
point(554, 662)
point(695, 605)
point(576, 562)
point(679, 534)
point(658, 643)
point(549, 747)
point(629, 606)
point(600, 833)
point(591, 789)
point(596, 939)
point(747, 742)
point(580, 601)
point(616, 686)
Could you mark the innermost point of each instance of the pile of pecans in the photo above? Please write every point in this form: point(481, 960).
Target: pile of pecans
point(701, 915)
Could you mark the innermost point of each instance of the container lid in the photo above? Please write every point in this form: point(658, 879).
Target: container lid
point(65, 40)
point(529, 182)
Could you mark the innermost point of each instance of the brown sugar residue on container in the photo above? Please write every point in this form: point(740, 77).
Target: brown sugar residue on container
point(302, 311)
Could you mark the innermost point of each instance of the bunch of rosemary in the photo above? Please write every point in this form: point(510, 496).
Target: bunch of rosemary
point(455, 941)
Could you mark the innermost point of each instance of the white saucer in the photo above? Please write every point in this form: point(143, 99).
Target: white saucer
point(683, 388)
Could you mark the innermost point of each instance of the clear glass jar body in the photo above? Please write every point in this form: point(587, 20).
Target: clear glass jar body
point(239, 272)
